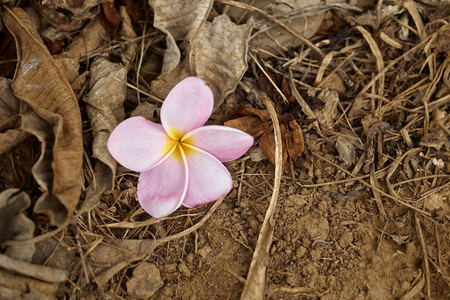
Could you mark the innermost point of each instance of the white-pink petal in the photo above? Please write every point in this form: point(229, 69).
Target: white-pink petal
point(188, 106)
point(208, 178)
point(162, 189)
point(138, 144)
point(224, 143)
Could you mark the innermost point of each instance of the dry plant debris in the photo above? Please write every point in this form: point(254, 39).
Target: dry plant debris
point(348, 101)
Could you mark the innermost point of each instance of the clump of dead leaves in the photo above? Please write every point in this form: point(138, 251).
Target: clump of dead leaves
point(257, 123)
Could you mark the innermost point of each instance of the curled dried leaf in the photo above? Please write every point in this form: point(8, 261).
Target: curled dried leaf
point(294, 142)
point(41, 86)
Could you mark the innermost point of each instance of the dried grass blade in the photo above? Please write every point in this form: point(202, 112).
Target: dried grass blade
point(377, 53)
point(256, 279)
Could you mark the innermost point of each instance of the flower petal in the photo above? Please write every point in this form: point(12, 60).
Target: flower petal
point(188, 106)
point(139, 144)
point(162, 189)
point(224, 143)
point(208, 178)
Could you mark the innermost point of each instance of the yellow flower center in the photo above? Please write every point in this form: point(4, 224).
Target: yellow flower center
point(179, 145)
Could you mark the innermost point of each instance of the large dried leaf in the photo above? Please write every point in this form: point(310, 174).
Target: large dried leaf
point(105, 111)
point(40, 84)
point(219, 55)
point(179, 20)
point(14, 225)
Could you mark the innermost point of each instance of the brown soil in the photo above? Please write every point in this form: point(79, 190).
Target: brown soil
point(322, 248)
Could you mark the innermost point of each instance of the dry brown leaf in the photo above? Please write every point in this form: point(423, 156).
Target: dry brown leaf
point(219, 55)
point(14, 225)
point(368, 18)
point(249, 124)
point(68, 15)
point(69, 67)
point(146, 110)
point(40, 84)
point(105, 111)
point(294, 142)
point(254, 121)
point(257, 123)
point(179, 20)
point(303, 17)
point(91, 38)
point(110, 19)
point(77, 8)
point(40, 272)
point(9, 105)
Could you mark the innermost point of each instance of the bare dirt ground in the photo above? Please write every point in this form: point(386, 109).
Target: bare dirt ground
point(362, 211)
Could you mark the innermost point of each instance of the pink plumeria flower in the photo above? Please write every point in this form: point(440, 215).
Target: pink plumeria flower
point(180, 160)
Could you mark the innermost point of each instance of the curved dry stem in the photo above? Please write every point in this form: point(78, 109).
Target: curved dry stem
point(256, 279)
